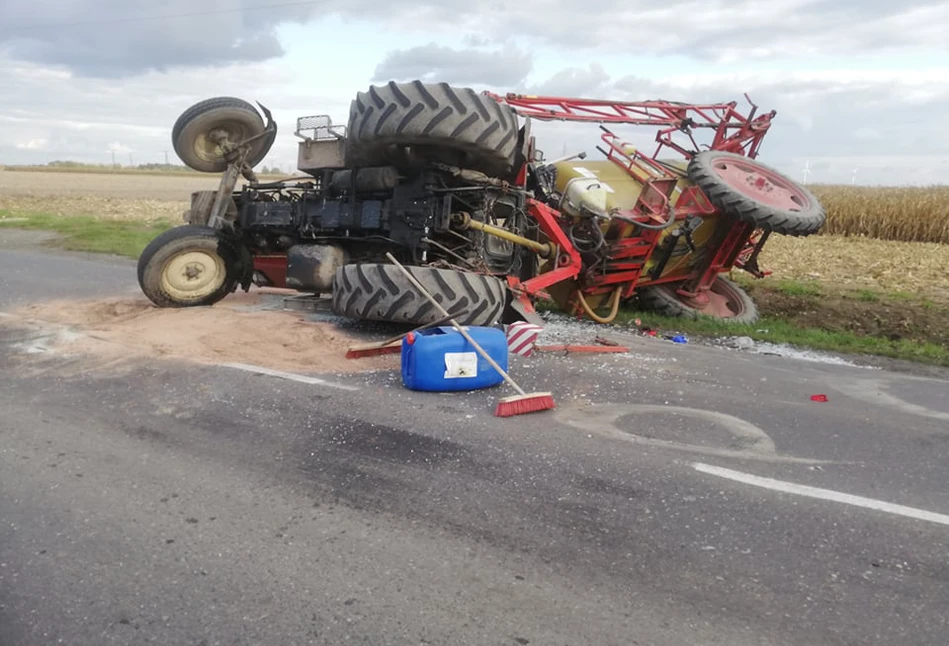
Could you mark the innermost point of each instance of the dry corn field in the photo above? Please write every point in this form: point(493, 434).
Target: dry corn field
point(908, 214)
point(863, 262)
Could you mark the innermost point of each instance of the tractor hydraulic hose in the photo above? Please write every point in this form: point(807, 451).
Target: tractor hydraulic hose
point(614, 308)
point(651, 227)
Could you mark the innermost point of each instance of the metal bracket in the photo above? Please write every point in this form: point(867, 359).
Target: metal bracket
point(321, 126)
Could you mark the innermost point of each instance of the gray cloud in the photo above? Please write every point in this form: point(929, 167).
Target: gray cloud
point(434, 63)
point(110, 38)
point(875, 122)
point(883, 122)
point(47, 114)
point(835, 124)
point(118, 39)
point(574, 82)
point(708, 32)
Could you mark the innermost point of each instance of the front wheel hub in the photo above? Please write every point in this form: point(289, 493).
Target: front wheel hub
point(193, 275)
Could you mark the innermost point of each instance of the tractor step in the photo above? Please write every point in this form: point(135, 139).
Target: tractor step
point(307, 303)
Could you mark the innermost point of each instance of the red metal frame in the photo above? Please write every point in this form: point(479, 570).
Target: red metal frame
point(568, 258)
point(273, 268)
point(732, 244)
point(732, 132)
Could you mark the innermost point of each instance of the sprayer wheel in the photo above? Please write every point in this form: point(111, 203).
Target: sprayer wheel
point(726, 302)
point(752, 192)
point(380, 292)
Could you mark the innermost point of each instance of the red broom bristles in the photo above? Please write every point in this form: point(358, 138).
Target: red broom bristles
point(522, 404)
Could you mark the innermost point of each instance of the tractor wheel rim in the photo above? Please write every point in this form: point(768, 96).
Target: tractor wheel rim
point(209, 150)
point(193, 275)
point(761, 184)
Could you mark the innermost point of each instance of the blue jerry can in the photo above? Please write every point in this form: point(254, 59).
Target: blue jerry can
point(440, 359)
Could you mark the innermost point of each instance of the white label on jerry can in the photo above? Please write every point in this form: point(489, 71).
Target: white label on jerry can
point(459, 365)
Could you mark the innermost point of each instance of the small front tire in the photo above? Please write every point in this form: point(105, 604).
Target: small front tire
point(193, 135)
point(188, 266)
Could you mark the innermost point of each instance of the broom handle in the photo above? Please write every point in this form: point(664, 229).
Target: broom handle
point(440, 321)
point(454, 323)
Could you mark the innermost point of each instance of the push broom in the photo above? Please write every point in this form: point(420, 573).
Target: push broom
point(389, 346)
point(507, 406)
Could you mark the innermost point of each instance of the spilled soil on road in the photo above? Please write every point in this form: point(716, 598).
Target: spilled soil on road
point(235, 330)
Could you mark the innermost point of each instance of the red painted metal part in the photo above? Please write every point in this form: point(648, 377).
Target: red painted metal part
point(748, 256)
point(761, 184)
point(587, 349)
point(568, 258)
point(627, 257)
point(733, 131)
point(719, 300)
point(273, 268)
point(732, 244)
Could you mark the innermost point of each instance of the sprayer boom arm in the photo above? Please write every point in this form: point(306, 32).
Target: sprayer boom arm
point(733, 131)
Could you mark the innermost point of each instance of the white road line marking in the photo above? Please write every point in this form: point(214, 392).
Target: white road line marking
point(602, 418)
point(874, 391)
point(303, 379)
point(823, 494)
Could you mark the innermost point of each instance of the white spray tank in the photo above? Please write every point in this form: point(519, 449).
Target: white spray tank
point(584, 194)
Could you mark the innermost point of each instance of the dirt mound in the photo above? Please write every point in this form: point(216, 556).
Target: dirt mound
point(229, 332)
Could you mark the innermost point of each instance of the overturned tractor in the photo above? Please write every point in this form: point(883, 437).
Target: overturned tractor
point(451, 183)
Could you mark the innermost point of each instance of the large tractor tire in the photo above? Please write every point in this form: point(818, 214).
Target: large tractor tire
point(380, 292)
point(191, 135)
point(400, 123)
point(727, 302)
point(752, 192)
point(188, 266)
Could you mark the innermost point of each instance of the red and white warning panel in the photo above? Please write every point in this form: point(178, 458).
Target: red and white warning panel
point(522, 338)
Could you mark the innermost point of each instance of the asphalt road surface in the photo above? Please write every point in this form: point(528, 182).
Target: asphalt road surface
point(678, 495)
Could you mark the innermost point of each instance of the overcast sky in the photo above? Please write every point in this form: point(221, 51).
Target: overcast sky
point(857, 84)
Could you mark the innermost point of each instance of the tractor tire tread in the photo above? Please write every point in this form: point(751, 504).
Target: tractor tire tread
point(380, 292)
point(453, 125)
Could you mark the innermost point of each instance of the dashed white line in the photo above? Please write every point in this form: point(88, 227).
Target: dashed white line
point(822, 494)
point(303, 379)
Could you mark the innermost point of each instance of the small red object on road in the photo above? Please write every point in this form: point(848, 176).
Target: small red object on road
point(819, 398)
